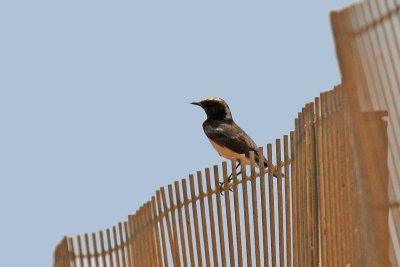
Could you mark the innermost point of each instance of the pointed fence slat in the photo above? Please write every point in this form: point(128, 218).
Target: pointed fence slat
point(295, 205)
point(95, 253)
point(271, 204)
point(72, 259)
point(162, 231)
point(281, 251)
point(174, 228)
point(220, 219)
point(188, 222)
point(299, 238)
point(211, 216)
point(336, 180)
point(265, 235)
point(228, 214)
point(149, 235)
point(203, 219)
point(332, 189)
point(254, 209)
point(156, 232)
point(181, 225)
point(122, 244)
point(174, 251)
point(116, 247)
point(135, 245)
point(321, 185)
point(128, 244)
point(80, 251)
point(88, 253)
point(111, 249)
point(145, 242)
point(196, 221)
point(246, 212)
point(288, 199)
point(237, 214)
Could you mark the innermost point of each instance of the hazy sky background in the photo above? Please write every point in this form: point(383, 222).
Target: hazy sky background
point(94, 101)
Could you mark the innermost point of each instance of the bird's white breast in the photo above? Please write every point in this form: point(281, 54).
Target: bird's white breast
point(227, 153)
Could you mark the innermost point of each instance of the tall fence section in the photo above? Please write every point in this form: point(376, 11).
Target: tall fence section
point(330, 196)
point(367, 37)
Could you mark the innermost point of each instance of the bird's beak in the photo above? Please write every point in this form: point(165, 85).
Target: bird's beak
point(196, 103)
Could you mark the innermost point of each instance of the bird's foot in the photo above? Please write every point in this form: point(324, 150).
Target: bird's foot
point(222, 186)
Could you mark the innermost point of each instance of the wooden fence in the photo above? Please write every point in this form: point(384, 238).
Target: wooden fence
point(196, 222)
point(367, 37)
point(335, 201)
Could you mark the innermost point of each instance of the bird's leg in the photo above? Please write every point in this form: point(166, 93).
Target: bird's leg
point(230, 178)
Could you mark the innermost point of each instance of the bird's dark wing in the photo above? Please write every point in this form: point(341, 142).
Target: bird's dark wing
point(231, 136)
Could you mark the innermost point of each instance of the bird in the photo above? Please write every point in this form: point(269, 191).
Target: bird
point(228, 139)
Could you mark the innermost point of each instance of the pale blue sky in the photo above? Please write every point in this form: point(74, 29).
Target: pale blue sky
point(95, 94)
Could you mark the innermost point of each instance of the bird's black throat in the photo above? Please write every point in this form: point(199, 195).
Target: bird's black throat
point(216, 111)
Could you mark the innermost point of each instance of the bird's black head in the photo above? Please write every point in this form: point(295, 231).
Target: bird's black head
point(215, 108)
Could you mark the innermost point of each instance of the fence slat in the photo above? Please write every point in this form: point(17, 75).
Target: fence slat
point(340, 177)
point(196, 221)
point(336, 179)
point(72, 255)
point(175, 254)
point(80, 250)
point(271, 204)
point(321, 185)
point(188, 222)
point(333, 190)
point(116, 247)
point(228, 214)
point(128, 245)
point(325, 177)
point(255, 208)
point(174, 229)
point(95, 252)
point(304, 188)
point(122, 244)
point(246, 211)
point(203, 219)
point(161, 224)
point(147, 235)
point(135, 245)
point(314, 184)
point(88, 253)
point(110, 248)
point(295, 204)
point(288, 199)
point(299, 246)
point(237, 214)
point(348, 178)
point(220, 219)
point(281, 251)
point(212, 221)
point(265, 234)
point(181, 228)
point(145, 261)
point(156, 230)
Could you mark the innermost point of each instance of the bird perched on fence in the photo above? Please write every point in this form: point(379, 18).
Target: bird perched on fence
point(224, 134)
